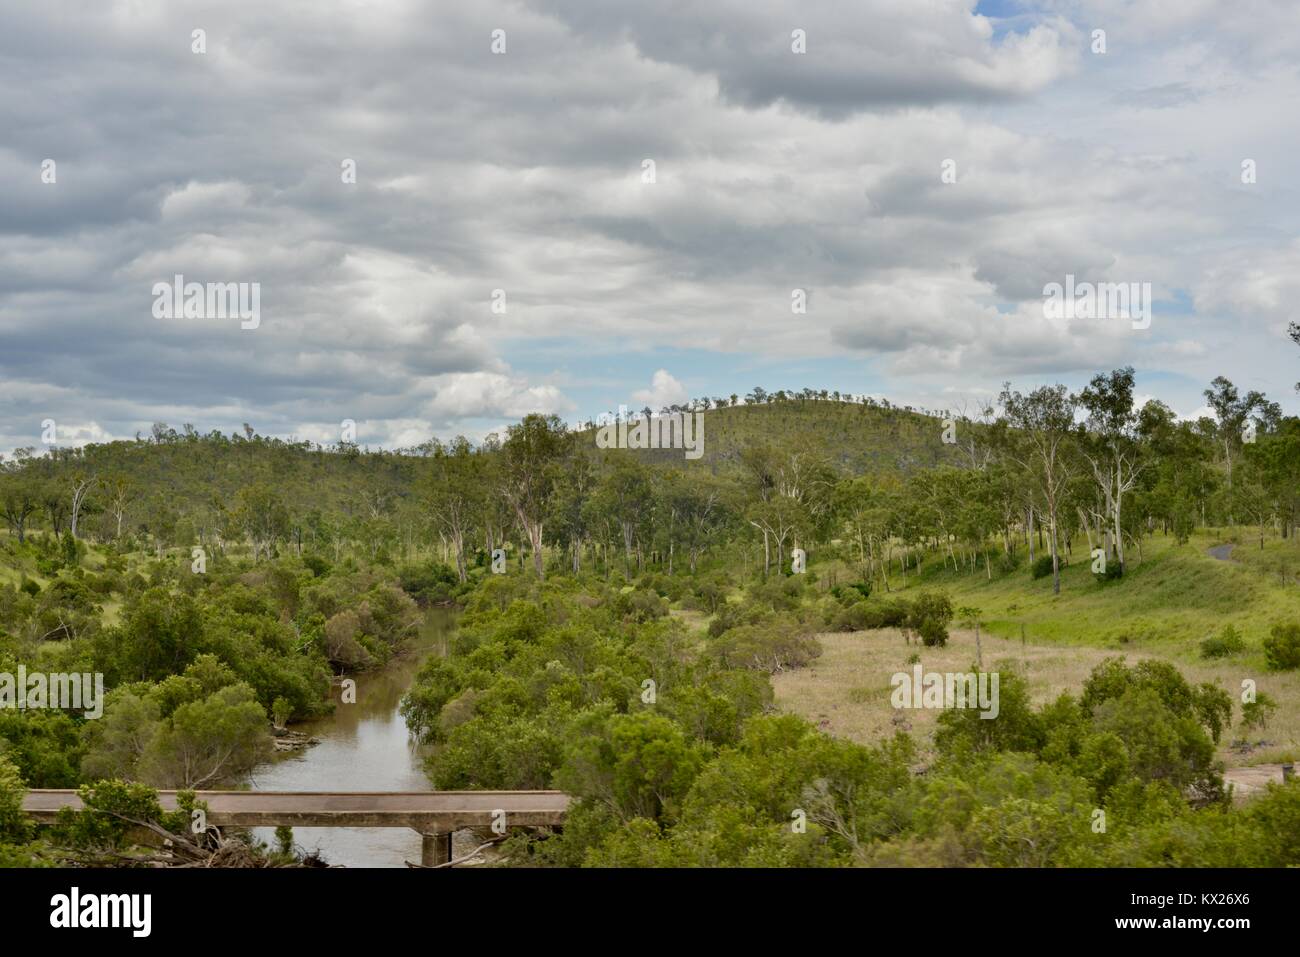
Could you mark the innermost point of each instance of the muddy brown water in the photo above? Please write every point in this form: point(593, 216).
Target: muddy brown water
point(362, 747)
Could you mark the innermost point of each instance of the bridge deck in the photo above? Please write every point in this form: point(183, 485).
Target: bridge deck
point(425, 811)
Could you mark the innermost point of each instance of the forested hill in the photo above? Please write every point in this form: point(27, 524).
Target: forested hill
point(182, 477)
point(1092, 466)
point(853, 437)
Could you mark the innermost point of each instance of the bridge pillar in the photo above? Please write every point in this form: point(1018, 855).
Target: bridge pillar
point(435, 848)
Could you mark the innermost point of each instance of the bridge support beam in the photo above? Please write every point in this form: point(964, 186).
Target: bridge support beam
point(435, 848)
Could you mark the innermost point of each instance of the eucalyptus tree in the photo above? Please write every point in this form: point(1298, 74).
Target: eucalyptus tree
point(121, 492)
point(802, 481)
point(263, 517)
point(1111, 446)
point(82, 485)
point(19, 497)
point(1042, 425)
point(693, 513)
point(453, 489)
point(1235, 413)
point(527, 475)
point(779, 518)
point(1274, 463)
point(626, 495)
point(571, 512)
point(1182, 479)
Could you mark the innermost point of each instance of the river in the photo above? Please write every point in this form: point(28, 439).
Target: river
point(362, 747)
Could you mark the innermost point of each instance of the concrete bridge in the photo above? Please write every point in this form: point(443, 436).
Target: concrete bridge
point(434, 814)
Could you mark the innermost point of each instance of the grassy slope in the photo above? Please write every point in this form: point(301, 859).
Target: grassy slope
point(1167, 603)
point(1162, 608)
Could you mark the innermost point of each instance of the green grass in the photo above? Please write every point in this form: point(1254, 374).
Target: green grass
point(1166, 604)
point(1162, 608)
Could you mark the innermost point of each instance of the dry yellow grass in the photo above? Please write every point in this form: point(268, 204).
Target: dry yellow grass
point(847, 690)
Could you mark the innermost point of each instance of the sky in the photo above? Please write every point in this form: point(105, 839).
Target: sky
point(563, 206)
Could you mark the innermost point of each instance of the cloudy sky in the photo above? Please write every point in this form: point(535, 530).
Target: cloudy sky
point(525, 171)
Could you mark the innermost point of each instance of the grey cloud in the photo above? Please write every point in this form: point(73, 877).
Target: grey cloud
point(869, 55)
point(521, 172)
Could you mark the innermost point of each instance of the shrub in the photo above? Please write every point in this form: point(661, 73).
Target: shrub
point(1042, 567)
point(853, 618)
point(1256, 714)
point(1109, 573)
point(1282, 647)
point(14, 826)
point(852, 593)
point(933, 633)
point(778, 595)
point(430, 584)
point(928, 616)
point(773, 645)
point(1226, 642)
point(641, 605)
point(711, 594)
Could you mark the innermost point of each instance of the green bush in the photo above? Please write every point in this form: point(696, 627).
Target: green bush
point(1255, 715)
point(711, 595)
point(1227, 642)
point(14, 825)
point(852, 593)
point(1042, 567)
point(1111, 572)
point(933, 633)
point(430, 584)
point(1282, 647)
point(640, 606)
point(318, 566)
point(853, 618)
point(775, 644)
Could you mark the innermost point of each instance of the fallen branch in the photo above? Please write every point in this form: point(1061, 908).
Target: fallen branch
point(457, 860)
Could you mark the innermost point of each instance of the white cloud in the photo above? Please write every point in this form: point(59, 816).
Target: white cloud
point(664, 390)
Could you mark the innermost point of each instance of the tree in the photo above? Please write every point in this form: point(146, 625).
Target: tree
point(216, 739)
point(453, 496)
point(699, 514)
point(261, 513)
point(1044, 423)
point(571, 505)
point(15, 828)
point(626, 495)
point(121, 491)
point(528, 456)
point(1113, 452)
point(160, 634)
point(1273, 462)
point(19, 498)
point(82, 485)
point(1233, 410)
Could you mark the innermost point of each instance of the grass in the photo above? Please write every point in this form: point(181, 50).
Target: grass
point(1163, 608)
point(1166, 604)
point(847, 690)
